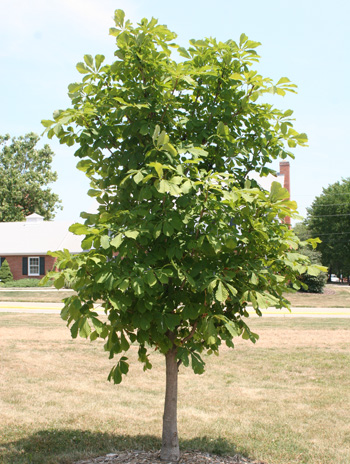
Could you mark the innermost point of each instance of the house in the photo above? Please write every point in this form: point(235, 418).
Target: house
point(25, 244)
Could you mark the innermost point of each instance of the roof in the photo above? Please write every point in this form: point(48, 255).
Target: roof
point(266, 182)
point(36, 237)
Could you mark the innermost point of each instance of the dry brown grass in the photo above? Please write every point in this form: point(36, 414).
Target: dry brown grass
point(284, 400)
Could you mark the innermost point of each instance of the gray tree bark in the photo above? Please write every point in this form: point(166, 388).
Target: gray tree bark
point(170, 441)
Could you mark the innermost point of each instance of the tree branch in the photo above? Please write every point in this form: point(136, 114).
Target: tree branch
point(191, 334)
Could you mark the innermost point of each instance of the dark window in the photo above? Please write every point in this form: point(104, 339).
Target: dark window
point(42, 265)
point(25, 266)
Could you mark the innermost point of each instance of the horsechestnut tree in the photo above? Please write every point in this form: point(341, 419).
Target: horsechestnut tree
point(182, 240)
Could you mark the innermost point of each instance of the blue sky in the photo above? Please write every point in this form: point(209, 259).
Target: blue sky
point(308, 41)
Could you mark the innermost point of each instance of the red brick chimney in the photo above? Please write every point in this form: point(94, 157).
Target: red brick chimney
point(285, 171)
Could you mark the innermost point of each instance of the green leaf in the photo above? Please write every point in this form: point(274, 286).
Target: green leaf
point(278, 192)
point(137, 286)
point(254, 279)
point(168, 229)
point(85, 329)
point(99, 59)
point(47, 122)
point(89, 61)
point(170, 148)
point(222, 130)
point(221, 293)
point(132, 234)
point(232, 289)
point(105, 242)
point(243, 38)
point(283, 80)
point(94, 193)
point(231, 243)
point(159, 168)
point(262, 300)
point(119, 17)
point(117, 241)
point(138, 177)
point(123, 366)
point(98, 325)
point(59, 282)
point(84, 165)
point(162, 139)
point(74, 329)
point(183, 52)
point(197, 363)
point(82, 68)
point(284, 128)
point(150, 278)
point(156, 133)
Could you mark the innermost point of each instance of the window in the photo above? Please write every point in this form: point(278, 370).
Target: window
point(2, 260)
point(33, 266)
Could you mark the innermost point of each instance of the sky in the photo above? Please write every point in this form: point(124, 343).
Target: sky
point(305, 40)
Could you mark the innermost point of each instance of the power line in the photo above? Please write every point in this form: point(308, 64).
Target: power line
point(334, 204)
point(310, 195)
point(332, 233)
point(329, 215)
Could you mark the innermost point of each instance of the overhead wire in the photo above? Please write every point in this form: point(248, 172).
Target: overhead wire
point(330, 215)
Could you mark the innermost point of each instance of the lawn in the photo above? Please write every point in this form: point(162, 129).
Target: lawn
point(334, 296)
point(33, 296)
point(284, 400)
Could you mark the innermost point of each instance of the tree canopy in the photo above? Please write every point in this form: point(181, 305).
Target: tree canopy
point(25, 173)
point(310, 283)
point(182, 241)
point(329, 218)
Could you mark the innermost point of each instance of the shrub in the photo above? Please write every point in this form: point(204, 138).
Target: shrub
point(314, 284)
point(25, 283)
point(5, 273)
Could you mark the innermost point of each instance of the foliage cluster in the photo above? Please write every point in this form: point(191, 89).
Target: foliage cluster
point(25, 283)
point(310, 283)
point(329, 218)
point(25, 173)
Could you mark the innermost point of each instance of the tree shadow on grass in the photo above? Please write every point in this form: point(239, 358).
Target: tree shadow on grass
point(65, 446)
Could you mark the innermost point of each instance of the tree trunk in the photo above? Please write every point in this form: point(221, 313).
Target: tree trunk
point(170, 441)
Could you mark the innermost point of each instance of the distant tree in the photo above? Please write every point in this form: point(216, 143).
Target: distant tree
point(329, 219)
point(25, 174)
point(5, 272)
point(310, 283)
point(181, 242)
point(301, 230)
